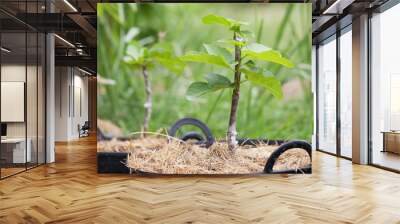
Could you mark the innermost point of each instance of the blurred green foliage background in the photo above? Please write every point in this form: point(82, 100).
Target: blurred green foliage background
point(284, 27)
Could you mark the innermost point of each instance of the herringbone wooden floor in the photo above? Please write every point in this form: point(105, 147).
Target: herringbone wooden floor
point(70, 191)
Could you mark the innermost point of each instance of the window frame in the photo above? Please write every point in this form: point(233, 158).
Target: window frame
point(334, 37)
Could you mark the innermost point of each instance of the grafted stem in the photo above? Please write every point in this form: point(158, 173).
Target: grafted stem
point(232, 134)
point(148, 104)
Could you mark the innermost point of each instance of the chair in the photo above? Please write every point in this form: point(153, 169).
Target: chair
point(84, 130)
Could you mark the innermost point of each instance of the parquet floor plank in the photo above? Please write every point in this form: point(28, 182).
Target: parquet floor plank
point(70, 191)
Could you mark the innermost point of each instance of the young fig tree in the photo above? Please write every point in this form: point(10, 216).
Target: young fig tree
point(143, 58)
point(237, 56)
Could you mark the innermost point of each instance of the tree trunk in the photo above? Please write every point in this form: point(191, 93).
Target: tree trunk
point(148, 103)
point(235, 100)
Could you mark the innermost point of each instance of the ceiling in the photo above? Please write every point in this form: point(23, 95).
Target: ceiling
point(75, 22)
point(332, 15)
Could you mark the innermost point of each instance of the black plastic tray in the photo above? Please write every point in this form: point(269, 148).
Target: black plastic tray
point(114, 162)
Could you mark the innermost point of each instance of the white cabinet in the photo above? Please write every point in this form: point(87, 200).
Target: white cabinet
point(19, 155)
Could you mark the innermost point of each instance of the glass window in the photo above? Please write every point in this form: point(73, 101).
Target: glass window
point(385, 89)
point(41, 99)
point(346, 94)
point(327, 96)
point(32, 97)
point(22, 92)
point(15, 150)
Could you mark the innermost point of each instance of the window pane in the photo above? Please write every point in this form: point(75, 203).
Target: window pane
point(41, 99)
point(346, 94)
point(385, 86)
point(15, 150)
point(327, 96)
point(31, 97)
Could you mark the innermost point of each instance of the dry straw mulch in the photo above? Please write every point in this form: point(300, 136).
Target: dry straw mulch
point(163, 156)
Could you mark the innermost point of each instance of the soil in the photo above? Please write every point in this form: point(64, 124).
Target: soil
point(172, 156)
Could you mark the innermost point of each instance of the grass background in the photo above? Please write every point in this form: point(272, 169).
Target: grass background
point(284, 27)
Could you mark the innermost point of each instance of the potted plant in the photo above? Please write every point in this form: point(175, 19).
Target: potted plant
point(143, 57)
point(238, 55)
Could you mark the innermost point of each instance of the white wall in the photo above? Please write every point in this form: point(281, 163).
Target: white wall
point(11, 73)
point(62, 81)
point(33, 126)
point(16, 73)
point(80, 96)
point(71, 102)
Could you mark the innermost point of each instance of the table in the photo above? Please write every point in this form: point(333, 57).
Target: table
point(391, 141)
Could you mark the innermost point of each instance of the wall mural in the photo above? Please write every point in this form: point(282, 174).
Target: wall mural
point(202, 89)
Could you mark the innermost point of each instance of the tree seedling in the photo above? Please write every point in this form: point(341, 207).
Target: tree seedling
point(237, 55)
point(144, 57)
